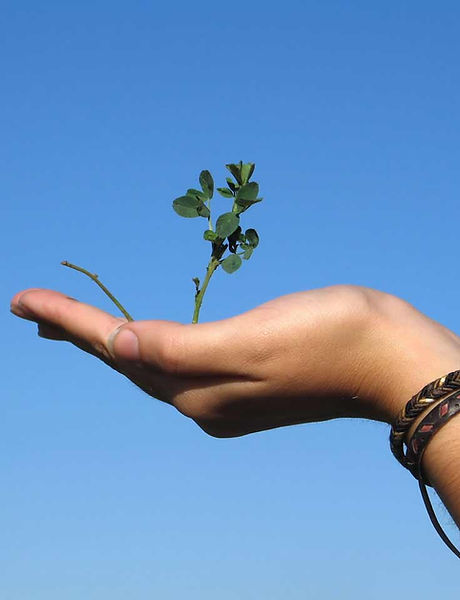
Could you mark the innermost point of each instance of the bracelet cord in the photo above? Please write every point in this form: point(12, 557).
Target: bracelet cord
point(444, 394)
point(416, 446)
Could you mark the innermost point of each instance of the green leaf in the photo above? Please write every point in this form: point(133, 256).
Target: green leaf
point(226, 224)
point(246, 171)
point(225, 192)
point(243, 205)
point(196, 194)
point(247, 196)
point(235, 170)
point(203, 211)
point(187, 206)
point(207, 183)
point(248, 191)
point(210, 236)
point(232, 263)
point(247, 250)
point(248, 253)
point(252, 237)
point(231, 184)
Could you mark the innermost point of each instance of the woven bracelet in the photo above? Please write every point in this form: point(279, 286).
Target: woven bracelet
point(425, 430)
point(445, 394)
point(429, 394)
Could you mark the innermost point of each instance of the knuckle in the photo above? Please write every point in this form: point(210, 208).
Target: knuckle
point(375, 304)
point(354, 300)
point(350, 292)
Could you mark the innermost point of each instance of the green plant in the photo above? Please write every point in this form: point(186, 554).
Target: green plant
point(229, 245)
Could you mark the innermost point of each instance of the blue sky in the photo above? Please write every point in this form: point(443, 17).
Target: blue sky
point(108, 112)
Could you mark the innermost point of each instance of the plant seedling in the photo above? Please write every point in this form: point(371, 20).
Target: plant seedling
point(229, 245)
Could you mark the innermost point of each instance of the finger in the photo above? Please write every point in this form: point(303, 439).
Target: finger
point(94, 330)
point(76, 321)
point(16, 307)
point(218, 348)
point(51, 333)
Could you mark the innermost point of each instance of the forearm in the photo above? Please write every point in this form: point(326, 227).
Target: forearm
point(414, 351)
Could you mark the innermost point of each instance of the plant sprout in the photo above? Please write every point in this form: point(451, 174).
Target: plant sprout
point(229, 245)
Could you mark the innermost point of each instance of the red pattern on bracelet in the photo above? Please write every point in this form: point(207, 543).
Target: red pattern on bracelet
point(425, 430)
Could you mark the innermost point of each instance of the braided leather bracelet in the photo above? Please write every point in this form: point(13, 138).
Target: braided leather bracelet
point(429, 394)
point(428, 426)
point(445, 394)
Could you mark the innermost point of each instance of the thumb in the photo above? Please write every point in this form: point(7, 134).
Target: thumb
point(176, 349)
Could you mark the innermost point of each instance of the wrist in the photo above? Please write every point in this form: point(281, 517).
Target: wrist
point(413, 350)
point(421, 360)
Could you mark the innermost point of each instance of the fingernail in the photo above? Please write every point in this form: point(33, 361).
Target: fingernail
point(16, 310)
point(22, 305)
point(123, 344)
point(20, 310)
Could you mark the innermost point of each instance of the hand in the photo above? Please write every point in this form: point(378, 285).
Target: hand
point(340, 351)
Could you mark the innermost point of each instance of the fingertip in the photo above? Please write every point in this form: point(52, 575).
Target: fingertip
point(18, 295)
point(28, 303)
point(16, 305)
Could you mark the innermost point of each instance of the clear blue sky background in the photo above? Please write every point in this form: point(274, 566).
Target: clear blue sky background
point(109, 110)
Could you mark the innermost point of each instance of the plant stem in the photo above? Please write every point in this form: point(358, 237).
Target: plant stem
point(95, 278)
point(210, 227)
point(212, 266)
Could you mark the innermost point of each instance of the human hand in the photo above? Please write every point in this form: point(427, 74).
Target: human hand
point(340, 351)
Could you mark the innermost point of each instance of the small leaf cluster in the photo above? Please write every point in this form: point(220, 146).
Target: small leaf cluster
point(227, 235)
point(193, 204)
